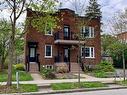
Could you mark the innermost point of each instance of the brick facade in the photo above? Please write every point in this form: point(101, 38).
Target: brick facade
point(66, 17)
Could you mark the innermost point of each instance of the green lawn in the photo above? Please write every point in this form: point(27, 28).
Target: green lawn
point(22, 88)
point(23, 76)
point(64, 86)
point(124, 83)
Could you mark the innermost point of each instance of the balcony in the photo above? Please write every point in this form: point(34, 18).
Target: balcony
point(67, 39)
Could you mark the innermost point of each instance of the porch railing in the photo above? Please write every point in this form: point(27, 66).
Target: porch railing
point(61, 36)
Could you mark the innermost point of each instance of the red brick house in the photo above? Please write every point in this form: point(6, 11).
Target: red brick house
point(122, 36)
point(60, 46)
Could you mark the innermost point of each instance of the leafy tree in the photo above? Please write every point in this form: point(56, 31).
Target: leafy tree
point(5, 28)
point(93, 10)
point(16, 8)
point(106, 41)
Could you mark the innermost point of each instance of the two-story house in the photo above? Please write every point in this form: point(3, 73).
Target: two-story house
point(61, 46)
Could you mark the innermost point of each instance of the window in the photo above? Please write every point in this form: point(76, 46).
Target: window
point(87, 32)
point(48, 66)
point(48, 31)
point(48, 51)
point(88, 52)
point(66, 31)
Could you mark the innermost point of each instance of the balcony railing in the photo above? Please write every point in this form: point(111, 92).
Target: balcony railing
point(62, 36)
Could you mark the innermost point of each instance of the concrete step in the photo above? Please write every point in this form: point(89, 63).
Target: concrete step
point(75, 68)
point(33, 68)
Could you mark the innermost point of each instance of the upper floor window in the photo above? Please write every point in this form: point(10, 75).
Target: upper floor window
point(88, 52)
point(48, 31)
point(87, 32)
point(48, 51)
point(66, 31)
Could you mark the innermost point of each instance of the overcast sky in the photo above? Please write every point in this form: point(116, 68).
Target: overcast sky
point(108, 8)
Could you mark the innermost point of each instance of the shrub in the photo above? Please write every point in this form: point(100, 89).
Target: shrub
point(47, 73)
point(105, 66)
point(62, 68)
point(100, 74)
point(19, 67)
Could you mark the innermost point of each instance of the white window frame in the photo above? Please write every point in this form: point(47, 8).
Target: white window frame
point(45, 51)
point(46, 33)
point(91, 55)
point(91, 31)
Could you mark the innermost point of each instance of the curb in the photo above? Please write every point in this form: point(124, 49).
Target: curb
point(68, 91)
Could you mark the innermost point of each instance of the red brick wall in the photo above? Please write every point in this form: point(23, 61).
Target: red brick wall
point(66, 17)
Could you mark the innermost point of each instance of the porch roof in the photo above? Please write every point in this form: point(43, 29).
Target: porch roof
point(69, 42)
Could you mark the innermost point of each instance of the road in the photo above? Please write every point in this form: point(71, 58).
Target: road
point(104, 92)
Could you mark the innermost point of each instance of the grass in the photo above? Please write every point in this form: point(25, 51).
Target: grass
point(102, 74)
point(124, 83)
point(23, 76)
point(64, 86)
point(22, 88)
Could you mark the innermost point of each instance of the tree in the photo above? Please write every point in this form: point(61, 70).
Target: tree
point(93, 10)
point(119, 25)
point(5, 28)
point(16, 8)
point(106, 41)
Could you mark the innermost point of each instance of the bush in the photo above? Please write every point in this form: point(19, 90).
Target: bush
point(19, 67)
point(62, 68)
point(47, 73)
point(100, 74)
point(105, 66)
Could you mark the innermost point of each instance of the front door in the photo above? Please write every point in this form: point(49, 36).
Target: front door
point(32, 54)
point(66, 55)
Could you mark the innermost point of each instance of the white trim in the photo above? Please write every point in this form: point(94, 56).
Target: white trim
point(45, 52)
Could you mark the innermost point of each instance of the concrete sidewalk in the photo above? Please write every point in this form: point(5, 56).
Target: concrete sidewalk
point(38, 82)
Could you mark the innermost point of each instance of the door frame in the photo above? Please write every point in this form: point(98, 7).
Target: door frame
point(32, 45)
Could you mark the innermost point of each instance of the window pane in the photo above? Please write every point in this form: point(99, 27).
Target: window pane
point(92, 52)
point(48, 50)
point(32, 52)
point(82, 52)
point(66, 31)
point(87, 52)
point(92, 32)
point(49, 31)
point(87, 32)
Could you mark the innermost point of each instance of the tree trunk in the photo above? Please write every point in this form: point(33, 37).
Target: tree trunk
point(124, 75)
point(0, 64)
point(11, 61)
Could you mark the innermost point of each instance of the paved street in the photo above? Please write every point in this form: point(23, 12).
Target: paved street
point(104, 92)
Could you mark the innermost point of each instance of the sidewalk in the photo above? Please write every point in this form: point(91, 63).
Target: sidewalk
point(39, 81)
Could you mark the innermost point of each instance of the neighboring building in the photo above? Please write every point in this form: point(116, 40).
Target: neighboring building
point(122, 36)
point(60, 46)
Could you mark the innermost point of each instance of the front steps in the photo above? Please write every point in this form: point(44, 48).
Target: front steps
point(75, 68)
point(33, 67)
